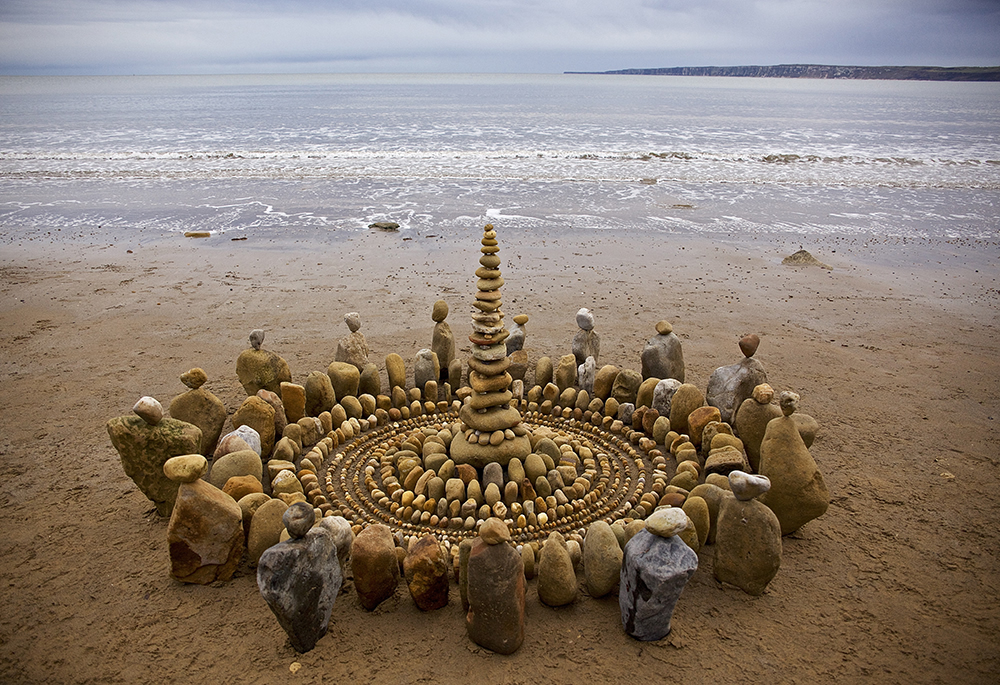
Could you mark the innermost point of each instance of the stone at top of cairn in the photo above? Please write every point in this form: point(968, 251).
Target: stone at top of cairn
point(493, 430)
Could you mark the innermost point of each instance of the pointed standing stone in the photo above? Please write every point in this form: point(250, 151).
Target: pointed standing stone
point(300, 578)
point(654, 572)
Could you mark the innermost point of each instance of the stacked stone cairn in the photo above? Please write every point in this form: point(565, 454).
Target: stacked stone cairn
point(619, 475)
point(492, 427)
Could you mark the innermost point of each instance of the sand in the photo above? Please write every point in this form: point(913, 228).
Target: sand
point(898, 361)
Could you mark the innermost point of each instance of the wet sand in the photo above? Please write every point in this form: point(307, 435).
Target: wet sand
point(896, 356)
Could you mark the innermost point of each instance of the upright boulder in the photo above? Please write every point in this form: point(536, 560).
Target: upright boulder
point(752, 418)
point(656, 566)
point(145, 442)
point(748, 537)
point(728, 386)
point(602, 559)
point(557, 584)
point(257, 368)
point(586, 342)
point(426, 571)
point(375, 565)
point(662, 356)
point(798, 493)
point(300, 578)
point(495, 590)
point(205, 533)
point(198, 406)
point(442, 340)
point(353, 348)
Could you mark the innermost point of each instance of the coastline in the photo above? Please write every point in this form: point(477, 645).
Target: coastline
point(896, 361)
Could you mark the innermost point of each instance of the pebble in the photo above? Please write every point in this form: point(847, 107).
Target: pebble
point(666, 522)
point(185, 468)
point(149, 410)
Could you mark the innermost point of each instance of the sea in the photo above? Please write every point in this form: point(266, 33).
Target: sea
point(319, 158)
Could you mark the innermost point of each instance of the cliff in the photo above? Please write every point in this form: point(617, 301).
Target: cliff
point(903, 73)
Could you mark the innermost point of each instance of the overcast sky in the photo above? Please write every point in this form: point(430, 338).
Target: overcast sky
point(288, 36)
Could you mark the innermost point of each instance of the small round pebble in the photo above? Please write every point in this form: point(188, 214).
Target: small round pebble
point(763, 394)
point(186, 468)
point(494, 531)
point(149, 410)
point(353, 321)
point(789, 402)
point(256, 338)
point(298, 519)
point(746, 486)
point(585, 319)
point(663, 327)
point(667, 522)
point(521, 319)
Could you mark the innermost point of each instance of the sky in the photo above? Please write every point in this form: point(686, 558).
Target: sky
point(505, 36)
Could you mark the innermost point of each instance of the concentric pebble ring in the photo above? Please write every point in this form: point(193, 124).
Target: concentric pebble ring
point(360, 479)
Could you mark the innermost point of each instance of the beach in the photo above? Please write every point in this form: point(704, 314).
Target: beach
point(893, 351)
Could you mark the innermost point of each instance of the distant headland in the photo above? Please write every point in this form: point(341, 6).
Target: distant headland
point(905, 73)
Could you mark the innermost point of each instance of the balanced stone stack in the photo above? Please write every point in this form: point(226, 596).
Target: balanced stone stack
point(492, 428)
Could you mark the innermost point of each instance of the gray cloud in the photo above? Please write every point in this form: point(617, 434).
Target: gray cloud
point(180, 36)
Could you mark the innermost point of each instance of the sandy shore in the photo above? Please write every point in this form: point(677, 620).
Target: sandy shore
point(898, 582)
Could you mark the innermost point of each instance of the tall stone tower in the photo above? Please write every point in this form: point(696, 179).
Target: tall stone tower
point(492, 428)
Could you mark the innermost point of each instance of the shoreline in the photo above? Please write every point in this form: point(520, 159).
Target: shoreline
point(900, 371)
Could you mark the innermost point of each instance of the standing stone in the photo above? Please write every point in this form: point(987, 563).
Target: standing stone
point(442, 340)
point(626, 386)
point(729, 386)
point(654, 572)
point(515, 341)
point(293, 399)
point(320, 396)
point(602, 559)
point(144, 448)
point(352, 348)
point(543, 371)
point(798, 492)
point(426, 367)
point(375, 565)
point(426, 570)
point(557, 584)
point(495, 589)
point(345, 378)
point(201, 408)
point(586, 342)
point(265, 528)
point(205, 533)
point(663, 393)
point(604, 381)
point(280, 419)
point(662, 356)
point(300, 578)
point(586, 374)
point(752, 418)
point(395, 368)
point(370, 382)
point(686, 399)
point(257, 368)
point(565, 372)
point(259, 415)
point(748, 537)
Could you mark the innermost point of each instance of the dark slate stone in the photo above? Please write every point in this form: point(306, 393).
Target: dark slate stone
point(299, 579)
point(654, 573)
point(729, 385)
